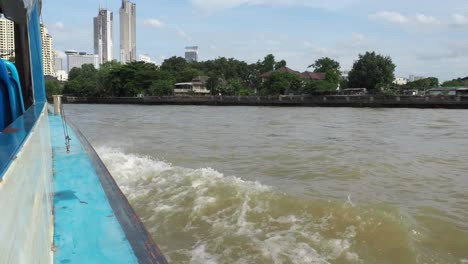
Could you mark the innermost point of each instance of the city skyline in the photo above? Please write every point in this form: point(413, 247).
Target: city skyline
point(417, 37)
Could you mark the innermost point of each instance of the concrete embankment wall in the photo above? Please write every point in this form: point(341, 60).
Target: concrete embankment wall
point(26, 201)
point(452, 102)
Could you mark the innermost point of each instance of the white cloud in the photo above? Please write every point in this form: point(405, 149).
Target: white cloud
point(214, 5)
point(58, 25)
point(459, 20)
point(391, 17)
point(424, 19)
point(153, 22)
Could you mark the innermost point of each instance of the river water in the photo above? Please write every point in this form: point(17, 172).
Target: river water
point(290, 185)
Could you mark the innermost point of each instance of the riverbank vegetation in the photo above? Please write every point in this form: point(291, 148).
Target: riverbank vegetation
point(229, 76)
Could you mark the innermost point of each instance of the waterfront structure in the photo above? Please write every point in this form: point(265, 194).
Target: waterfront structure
point(400, 81)
point(7, 38)
point(191, 54)
point(103, 35)
point(77, 59)
point(196, 86)
point(127, 32)
point(48, 58)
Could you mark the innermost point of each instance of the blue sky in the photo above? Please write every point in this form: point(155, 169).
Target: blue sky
point(428, 38)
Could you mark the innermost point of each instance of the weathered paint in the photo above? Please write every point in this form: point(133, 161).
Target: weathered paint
point(86, 228)
point(26, 190)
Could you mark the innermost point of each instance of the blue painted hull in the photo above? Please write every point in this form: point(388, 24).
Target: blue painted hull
point(60, 207)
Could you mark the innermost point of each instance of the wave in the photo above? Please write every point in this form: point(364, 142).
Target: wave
point(203, 216)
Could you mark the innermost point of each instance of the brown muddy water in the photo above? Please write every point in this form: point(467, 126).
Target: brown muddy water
point(290, 185)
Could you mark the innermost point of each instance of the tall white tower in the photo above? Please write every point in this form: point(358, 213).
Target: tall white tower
point(47, 52)
point(103, 35)
point(7, 38)
point(127, 32)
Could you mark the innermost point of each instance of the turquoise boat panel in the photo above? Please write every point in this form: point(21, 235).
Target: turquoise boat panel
point(86, 228)
point(94, 223)
point(13, 137)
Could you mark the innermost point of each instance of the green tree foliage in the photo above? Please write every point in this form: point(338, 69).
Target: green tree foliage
point(282, 83)
point(426, 83)
point(372, 71)
point(82, 81)
point(162, 87)
point(280, 64)
point(332, 70)
point(227, 76)
point(268, 63)
point(454, 83)
point(174, 64)
point(53, 88)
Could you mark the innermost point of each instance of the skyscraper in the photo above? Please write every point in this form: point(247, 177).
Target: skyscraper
point(191, 54)
point(7, 38)
point(47, 52)
point(127, 31)
point(103, 35)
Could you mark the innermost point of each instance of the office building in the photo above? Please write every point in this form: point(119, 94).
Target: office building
point(77, 59)
point(191, 54)
point(127, 32)
point(48, 59)
point(7, 38)
point(58, 62)
point(103, 35)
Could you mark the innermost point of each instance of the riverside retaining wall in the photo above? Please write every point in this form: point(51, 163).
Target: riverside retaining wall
point(451, 102)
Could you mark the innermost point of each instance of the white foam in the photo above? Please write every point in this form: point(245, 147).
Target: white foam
point(200, 256)
point(230, 206)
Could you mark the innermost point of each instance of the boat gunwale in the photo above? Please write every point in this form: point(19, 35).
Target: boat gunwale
point(143, 245)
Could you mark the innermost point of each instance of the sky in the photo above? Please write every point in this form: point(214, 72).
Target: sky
point(423, 38)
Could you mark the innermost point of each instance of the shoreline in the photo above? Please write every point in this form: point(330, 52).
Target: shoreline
point(423, 102)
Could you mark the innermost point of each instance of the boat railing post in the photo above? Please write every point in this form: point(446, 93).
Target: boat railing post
point(57, 104)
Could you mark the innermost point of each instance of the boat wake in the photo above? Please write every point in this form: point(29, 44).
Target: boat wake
point(203, 216)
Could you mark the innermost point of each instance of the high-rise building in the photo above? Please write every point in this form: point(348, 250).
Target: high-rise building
point(48, 61)
point(77, 59)
point(191, 54)
point(7, 38)
point(58, 62)
point(103, 35)
point(127, 32)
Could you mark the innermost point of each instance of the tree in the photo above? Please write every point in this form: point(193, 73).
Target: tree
point(162, 87)
point(331, 68)
point(372, 71)
point(454, 83)
point(268, 63)
point(425, 83)
point(104, 81)
point(280, 64)
point(282, 83)
point(174, 64)
point(53, 88)
point(82, 81)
